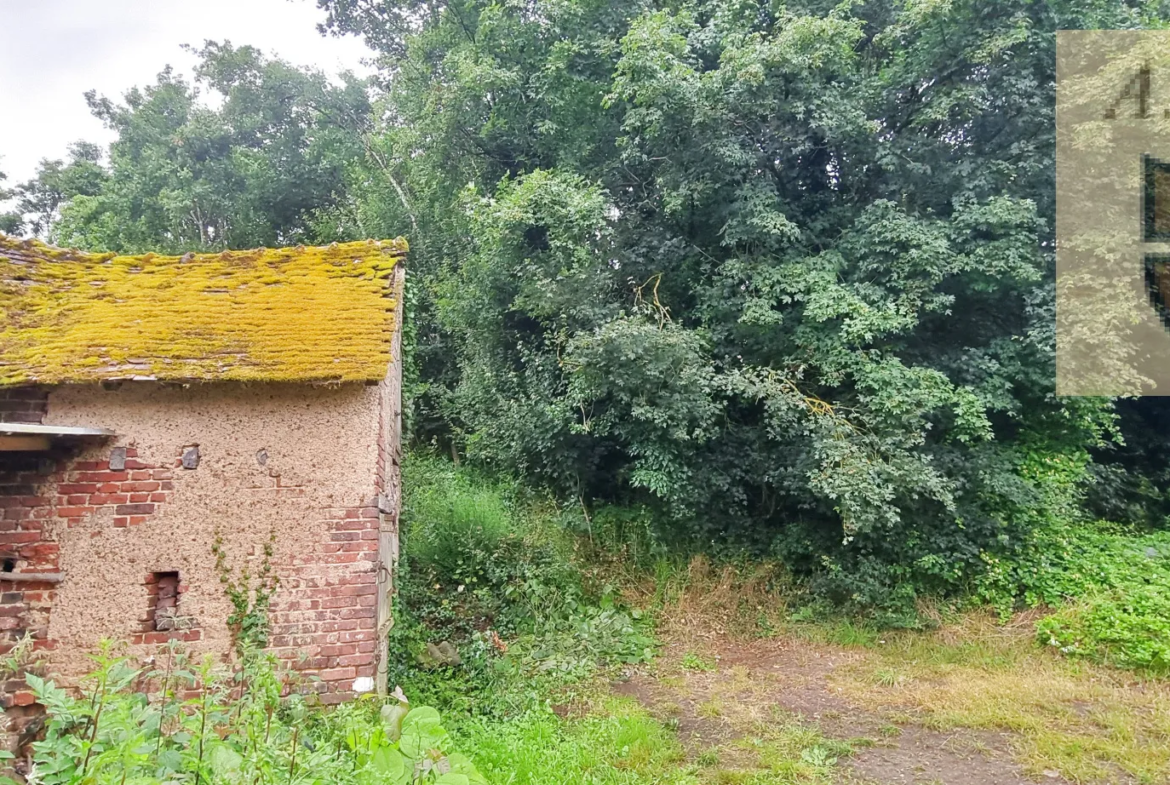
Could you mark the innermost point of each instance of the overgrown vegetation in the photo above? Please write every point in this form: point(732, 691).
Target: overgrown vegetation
point(780, 275)
point(773, 284)
point(536, 627)
point(182, 721)
point(486, 562)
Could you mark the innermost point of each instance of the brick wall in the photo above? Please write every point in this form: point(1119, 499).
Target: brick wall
point(23, 404)
point(323, 614)
point(25, 515)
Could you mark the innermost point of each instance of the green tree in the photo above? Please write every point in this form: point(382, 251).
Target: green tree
point(39, 200)
point(784, 271)
point(11, 222)
point(258, 169)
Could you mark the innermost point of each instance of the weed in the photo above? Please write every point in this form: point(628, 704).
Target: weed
point(710, 708)
point(188, 722)
point(616, 743)
point(693, 662)
point(248, 622)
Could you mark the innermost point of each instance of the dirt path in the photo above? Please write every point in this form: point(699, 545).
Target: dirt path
point(737, 700)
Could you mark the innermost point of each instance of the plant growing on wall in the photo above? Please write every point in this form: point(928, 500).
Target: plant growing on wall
point(250, 596)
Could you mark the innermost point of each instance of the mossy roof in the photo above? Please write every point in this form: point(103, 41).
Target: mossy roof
point(299, 314)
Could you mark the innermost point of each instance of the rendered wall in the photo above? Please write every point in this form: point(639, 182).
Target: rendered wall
point(311, 465)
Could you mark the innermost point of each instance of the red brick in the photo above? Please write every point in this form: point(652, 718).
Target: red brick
point(77, 487)
point(103, 476)
point(108, 498)
point(159, 498)
point(339, 602)
point(120, 523)
point(338, 674)
point(134, 509)
point(74, 512)
point(139, 498)
point(24, 699)
point(341, 558)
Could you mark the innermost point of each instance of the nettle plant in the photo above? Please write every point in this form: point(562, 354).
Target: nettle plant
point(177, 721)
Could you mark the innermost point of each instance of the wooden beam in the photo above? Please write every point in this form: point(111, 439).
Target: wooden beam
point(31, 577)
point(388, 499)
point(23, 443)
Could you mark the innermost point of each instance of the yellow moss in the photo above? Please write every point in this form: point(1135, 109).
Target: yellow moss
point(291, 314)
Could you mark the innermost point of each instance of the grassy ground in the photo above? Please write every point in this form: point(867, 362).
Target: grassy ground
point(1090, 723)
point(740, 696)
point(555, 685)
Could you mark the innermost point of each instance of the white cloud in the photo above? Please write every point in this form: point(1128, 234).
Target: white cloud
point(55, 50)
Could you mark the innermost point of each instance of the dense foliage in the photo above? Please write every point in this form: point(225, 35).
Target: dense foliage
point(780, 273)
point(783, 273)
point(261, 168)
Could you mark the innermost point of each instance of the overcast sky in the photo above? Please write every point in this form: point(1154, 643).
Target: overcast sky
point(55, 50)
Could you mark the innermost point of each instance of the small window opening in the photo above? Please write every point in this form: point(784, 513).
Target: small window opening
point(166, 601)
point(9, 565)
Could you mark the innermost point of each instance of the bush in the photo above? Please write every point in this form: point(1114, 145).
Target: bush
point(492, 613)
point(185, 722)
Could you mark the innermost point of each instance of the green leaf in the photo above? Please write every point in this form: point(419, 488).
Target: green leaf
point(390, 763)
point(422, 714)
point(224, 759)
point(421, 737)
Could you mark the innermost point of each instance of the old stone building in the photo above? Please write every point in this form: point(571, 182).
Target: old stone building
point(153, 406)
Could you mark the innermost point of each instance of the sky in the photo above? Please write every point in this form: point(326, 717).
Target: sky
point(55, 50)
